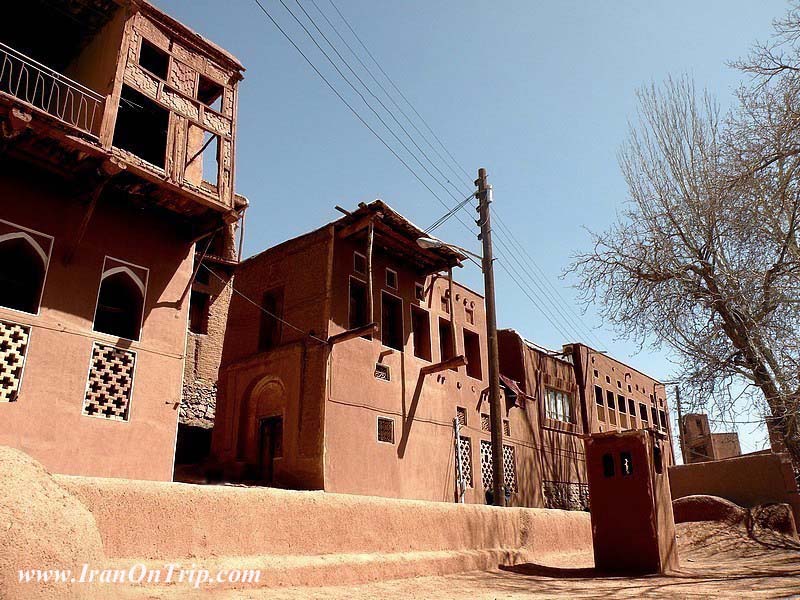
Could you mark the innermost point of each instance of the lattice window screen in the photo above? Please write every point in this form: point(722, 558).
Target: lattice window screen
point(13, 349)
point(510, 468)
point(485, 423)
point(486, 464)
point(461, 413)
point(108, 392)
point(566, 495)
point(465, 457)
point(506, 428)
point(385, 430)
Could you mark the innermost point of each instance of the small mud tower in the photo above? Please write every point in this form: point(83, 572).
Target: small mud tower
point(633, 529)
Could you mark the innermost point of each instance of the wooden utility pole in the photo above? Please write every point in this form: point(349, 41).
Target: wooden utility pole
point(680, 422)
point(484, 195)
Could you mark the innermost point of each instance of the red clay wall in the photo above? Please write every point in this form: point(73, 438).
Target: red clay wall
point(557, 475)
point(287, 380)
point(46, 421)
point(420, 464)
point(747, 480)
point(611, 375)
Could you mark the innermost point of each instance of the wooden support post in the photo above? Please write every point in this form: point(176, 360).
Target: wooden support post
point(370, 298)
point(368, 329)
point(451, 363)
point(452, 309)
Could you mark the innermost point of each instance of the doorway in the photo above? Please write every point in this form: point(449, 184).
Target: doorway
point(270, 446)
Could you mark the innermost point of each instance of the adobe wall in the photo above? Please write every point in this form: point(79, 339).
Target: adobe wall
point(288, 380)
point(420, 464)
point(558, 473)
point(310, 523)
point(611, 375)
point(204, 352)
point(747, 480)
point(47, 421)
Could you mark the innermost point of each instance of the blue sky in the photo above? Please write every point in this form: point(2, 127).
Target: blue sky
point(539, 93)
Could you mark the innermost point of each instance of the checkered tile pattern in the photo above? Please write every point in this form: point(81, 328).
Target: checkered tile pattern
point(13, 348)
point(465, 458)
point(108, 393)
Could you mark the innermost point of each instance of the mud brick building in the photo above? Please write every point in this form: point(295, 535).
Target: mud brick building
point(358, 384)
point(568, 395)
point(117, 130)
point(700, 445)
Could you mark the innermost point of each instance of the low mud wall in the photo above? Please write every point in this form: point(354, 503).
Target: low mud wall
point(748, 480)
point(172, 520)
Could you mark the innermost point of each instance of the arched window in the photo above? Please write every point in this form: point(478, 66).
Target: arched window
point(23, 264)
point(120, 304)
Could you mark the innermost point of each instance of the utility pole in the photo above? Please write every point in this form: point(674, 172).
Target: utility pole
point(484, 195)
point(680, 422)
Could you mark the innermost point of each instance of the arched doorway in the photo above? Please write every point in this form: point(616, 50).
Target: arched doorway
point(261, 436)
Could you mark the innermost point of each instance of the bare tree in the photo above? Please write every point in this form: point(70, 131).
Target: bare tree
point(705, 256)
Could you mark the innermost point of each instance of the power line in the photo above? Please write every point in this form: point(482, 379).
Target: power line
point(545, 312)
point(403, 96)
point(261, 308)
point(346, 103)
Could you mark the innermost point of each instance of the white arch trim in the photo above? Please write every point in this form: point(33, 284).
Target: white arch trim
point(33, 243)
point(134, 277)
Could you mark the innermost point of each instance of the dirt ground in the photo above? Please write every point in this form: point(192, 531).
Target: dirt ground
point(717, 560)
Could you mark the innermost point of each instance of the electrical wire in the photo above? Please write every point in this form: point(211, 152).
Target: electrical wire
point(547, 313)
point(261, 308)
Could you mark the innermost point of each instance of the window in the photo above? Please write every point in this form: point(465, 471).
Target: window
point(465, 459)
point(486, 422)
point(359, 263)
point(391, 279)
point(382, 372)
point(596, 374)
point(506, 427)
point(461, 415)
point(626, 464)
point(210, 93)
point(445, 305)
point(202, 156)
point(385, 430)
point(154, 59)
point(608, 465)
point(509, 468)
point(608, 379)
point(358, 304)
point(24, 259)
point(120, 301)
point(199, 304)
point(621, 404)
point(598, 395)
point(421, 330)
point(643, 412)
point(419, 292)
point(110, 384)
point(654, 415)
point(391, 321)
point(14, 341)
point(269, 332)
point(446, 349)
point(610, 399)
point(472, 352)
point(470, 315)
point(631, 407)
point(619, 384)
point(558, 406)
point(662, 418)
point(141, 127)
